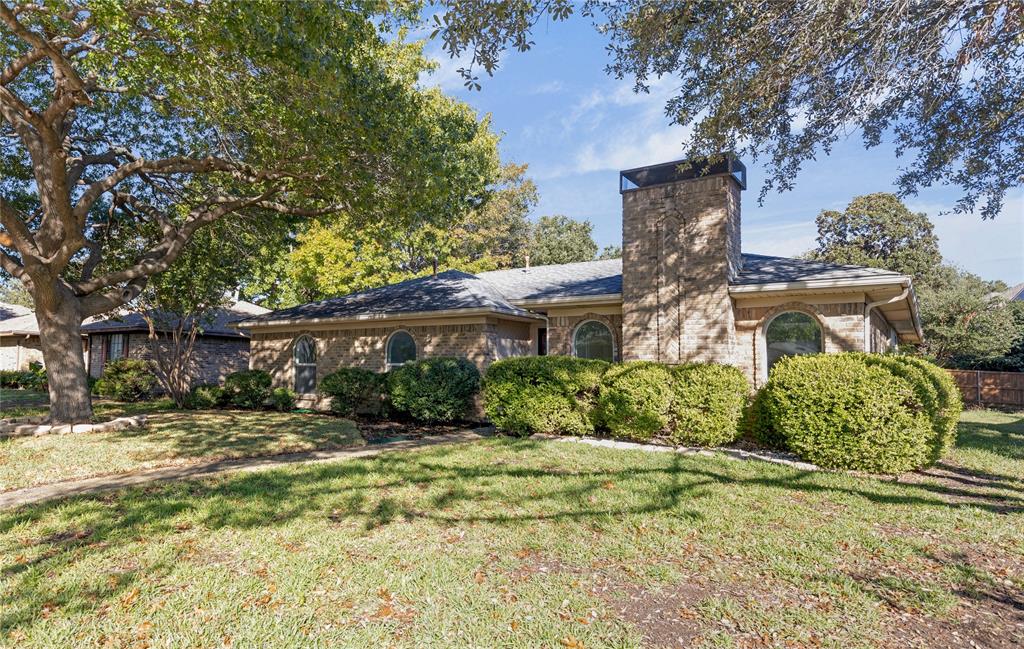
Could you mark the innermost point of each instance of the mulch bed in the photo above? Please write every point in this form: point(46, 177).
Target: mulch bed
point(381, 432)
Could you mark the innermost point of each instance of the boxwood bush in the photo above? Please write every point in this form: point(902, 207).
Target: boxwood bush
point(247, 389)
point(433, 390)
point(949, 401)
point(126, 379)
point(205, 397)
point(542, 394)
point(707, 404)
point(840, 411)
point(282, 399)
point(355, 391)
point(635, 400)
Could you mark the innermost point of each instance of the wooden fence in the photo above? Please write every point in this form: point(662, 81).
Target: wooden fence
point(991, 388)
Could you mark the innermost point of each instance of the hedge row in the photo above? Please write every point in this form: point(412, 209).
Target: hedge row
point(34, 378)
point(699, 404)
point(433, 390)
point(245, 390)
point(884, 414)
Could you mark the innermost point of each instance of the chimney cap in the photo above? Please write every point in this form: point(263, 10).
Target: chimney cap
point(677, 170)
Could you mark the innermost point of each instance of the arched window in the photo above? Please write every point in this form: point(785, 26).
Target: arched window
point(304, 355)
point(401, 349)
point(790, 334)
point(593, 339)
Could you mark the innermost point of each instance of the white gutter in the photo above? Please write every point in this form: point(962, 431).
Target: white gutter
point(816, 284)
point(579, 300)
point(871, 305)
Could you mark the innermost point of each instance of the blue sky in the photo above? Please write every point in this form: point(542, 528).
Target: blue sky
point(577, 127)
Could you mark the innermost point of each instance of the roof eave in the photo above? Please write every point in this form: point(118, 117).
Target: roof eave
point(582, 300)
point(385, 317)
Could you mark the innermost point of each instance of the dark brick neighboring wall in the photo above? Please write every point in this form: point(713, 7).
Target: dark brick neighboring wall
point(213, 358)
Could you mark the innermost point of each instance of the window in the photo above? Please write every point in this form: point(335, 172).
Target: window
point(305, 365)
point(791, 334)
point(542, 341)
point(593, 339)
point(115, 349)
point(401, 349)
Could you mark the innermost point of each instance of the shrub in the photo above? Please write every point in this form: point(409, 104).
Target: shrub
point(126, 379)
point(355, 391)
point(839, 411)
point(542, 394)
point(635, 400)
point(949, 401)
point(247, 389)
point(205, 397)
point(434, 389)
point(282, 400)
point(34, 378)
point(707, 404)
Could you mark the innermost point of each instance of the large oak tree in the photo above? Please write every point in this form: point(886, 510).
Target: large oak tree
point(129, 125)
point(943, 80)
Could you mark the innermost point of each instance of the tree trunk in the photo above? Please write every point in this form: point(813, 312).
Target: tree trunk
point(61, 339)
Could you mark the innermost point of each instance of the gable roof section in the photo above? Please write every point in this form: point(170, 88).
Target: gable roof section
point(559, 281)
point(447, 292)
point(219, 325)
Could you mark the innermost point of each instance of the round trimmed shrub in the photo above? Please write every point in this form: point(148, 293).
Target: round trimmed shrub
point(707, 404)
point(434, 389)
point(949, 401)
point(205, 397)
point(282, 400)
point(126, 379)
point(542, 394)
point(247, 389)
point(840, 412)
point(635, 400)
point(355, 391)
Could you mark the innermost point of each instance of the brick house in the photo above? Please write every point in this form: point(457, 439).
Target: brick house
point(19, 337)
point(219, 350)
point(683, 291)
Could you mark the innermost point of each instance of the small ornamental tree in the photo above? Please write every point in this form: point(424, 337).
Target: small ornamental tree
point(129, 126)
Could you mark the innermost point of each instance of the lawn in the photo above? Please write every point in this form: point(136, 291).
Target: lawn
point(14, 402)
point(171, 438)
point(527, 543)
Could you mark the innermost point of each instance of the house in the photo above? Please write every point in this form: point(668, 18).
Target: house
point(219, 348)
point(681, 292)
point(19, 338)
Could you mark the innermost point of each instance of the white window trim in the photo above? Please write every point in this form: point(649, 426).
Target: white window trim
point(575, 330)
point(763, 342)
point(387, 349)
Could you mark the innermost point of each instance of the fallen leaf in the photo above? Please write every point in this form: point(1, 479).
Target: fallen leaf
point(130, 597)
point(572, 643)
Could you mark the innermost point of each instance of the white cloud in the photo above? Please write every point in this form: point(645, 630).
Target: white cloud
point(548, 88)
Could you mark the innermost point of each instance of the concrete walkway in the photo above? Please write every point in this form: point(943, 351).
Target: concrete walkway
point(41, 493)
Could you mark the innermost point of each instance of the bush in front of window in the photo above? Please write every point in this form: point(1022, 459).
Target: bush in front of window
point(355, 391)
point(707, 405)
point(126, 379)
point(434, 390)
point(282, 399)
point(247, 389)
point(841, 412)
point(635, 400)
point(543, 394)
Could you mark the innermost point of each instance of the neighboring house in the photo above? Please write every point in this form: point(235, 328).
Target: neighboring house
point(19, 337)
point(219, 349)
point(1014, 294)
point(682, 292)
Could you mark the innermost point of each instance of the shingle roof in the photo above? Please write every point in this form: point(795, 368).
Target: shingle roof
point(219, 325)
point(22, 325)
point(447, 291)
point(582, 279)
point(12, 310)
point(1015, 293)
point(764, 269)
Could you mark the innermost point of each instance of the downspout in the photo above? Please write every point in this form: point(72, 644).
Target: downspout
point(867, 314)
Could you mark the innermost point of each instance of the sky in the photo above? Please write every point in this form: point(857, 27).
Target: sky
point(577, 127)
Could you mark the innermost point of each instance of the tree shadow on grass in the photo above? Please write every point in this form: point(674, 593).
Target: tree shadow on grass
point(450, 490)
point(1005, 439)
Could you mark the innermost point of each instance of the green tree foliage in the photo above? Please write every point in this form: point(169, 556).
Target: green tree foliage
point(610, 252)
point(561, 240)
point(13, 292)
point(788, 79)
point(878, 230)
point(129, 126)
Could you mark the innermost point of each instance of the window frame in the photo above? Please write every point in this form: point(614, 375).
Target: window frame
point(581, 324)
point(765, 365)
point(296, 364)
point(388, 365)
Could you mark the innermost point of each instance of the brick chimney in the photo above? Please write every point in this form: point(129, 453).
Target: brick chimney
point(680, 248)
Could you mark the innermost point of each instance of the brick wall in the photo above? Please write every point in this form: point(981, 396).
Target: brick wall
point(16, 352)
point(681, 244)
point(213, 358)
point(480, 342)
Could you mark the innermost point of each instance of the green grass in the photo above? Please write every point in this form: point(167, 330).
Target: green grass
point(171, 438)
point(522, 543)
point(20, 403)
